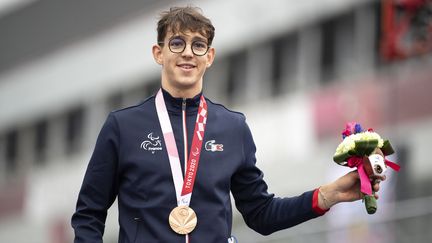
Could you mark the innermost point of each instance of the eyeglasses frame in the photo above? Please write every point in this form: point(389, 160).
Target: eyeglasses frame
point(161, 43)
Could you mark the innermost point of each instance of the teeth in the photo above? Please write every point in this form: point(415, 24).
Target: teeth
point(186, 66)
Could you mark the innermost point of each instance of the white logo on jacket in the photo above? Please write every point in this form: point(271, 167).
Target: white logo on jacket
point(153, 144)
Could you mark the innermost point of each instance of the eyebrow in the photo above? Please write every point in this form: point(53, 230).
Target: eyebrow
point(195, 38)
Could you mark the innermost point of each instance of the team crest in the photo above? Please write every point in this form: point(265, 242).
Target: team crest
point(152, 144)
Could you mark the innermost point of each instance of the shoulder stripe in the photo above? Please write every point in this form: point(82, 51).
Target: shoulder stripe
point(136, 105)
point(224, 107)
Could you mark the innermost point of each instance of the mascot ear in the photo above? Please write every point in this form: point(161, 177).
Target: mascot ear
point(378, 151)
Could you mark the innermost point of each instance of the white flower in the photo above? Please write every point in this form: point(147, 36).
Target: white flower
point(349, 141)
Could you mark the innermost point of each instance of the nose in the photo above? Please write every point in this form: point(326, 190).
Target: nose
point(187, 52)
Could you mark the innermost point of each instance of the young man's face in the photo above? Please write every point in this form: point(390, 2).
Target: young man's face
point(183, 71)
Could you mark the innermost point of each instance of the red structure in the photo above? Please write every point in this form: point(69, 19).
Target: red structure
point(406, 28)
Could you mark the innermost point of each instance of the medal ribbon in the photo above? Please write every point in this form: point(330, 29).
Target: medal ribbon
point(183, 193)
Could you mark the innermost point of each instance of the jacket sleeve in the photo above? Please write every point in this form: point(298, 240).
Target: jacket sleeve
point(263, 212)
point(99, 188)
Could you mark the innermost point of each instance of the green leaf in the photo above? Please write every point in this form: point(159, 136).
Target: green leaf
point(387, 149)
point(340, 158)
point(365, 147)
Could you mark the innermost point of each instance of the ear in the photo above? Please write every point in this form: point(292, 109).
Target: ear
point(157, 54)
point(378, 151)
point(210, 56)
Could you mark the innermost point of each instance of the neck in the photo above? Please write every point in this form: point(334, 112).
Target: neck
point(182, 92)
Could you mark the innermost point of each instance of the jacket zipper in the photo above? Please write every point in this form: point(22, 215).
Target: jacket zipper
point(185, 140)
point(137, 223)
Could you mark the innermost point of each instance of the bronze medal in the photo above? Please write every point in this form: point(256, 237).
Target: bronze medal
point(182, 220)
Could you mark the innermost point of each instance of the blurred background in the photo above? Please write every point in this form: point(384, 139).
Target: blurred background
point(299, 70)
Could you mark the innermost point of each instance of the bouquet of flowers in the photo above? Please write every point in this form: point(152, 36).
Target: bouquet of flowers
point(366, 150)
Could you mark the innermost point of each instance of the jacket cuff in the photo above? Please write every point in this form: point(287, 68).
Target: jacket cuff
point(315, 206)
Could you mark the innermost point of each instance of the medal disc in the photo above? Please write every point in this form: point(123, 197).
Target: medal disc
point(182, 220)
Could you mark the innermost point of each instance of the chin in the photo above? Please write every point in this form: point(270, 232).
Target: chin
point(187, 82)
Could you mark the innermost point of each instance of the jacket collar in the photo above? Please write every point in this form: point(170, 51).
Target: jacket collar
point(174, 104)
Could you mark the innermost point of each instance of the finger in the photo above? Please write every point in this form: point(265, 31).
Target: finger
point(378, 177)
point(376, 187)
point(376, 196)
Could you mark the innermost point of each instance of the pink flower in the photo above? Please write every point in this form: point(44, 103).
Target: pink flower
point(349, 129)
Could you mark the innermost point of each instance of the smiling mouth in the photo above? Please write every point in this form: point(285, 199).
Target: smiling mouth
point(186, 66)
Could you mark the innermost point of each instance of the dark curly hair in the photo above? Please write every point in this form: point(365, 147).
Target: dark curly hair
point(181, 19)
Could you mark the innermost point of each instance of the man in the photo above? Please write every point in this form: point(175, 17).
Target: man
point(173, 159)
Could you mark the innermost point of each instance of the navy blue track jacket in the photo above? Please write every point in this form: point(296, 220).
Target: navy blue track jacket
point(130, 162)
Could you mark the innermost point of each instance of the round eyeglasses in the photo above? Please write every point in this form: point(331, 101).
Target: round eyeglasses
point(178, 45)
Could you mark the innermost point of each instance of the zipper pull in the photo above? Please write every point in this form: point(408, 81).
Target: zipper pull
point(185, 142)
point(184, 104)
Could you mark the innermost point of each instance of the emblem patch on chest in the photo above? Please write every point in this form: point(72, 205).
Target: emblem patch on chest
point(153, 143)
point(213, 147)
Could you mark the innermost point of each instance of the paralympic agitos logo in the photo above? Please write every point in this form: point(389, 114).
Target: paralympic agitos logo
point(153, 144)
